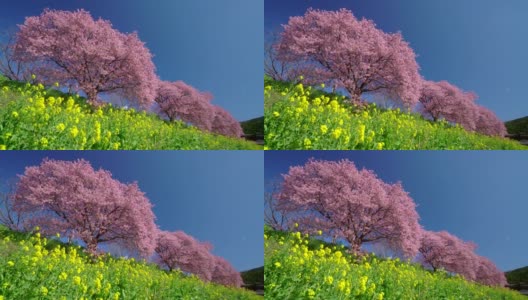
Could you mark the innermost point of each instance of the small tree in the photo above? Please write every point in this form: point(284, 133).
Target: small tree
point(177, 100)
point(488, 123)
point(489, 274)
point(225, 124)
point(444, 100)
point(225, 274)
point(75, 200)
point(177, 250)
point(354, 53)
point(444, 250)
point(272, 216)
point(74, 49)
point(337, 198)
point(8, 216)
point(9, 67)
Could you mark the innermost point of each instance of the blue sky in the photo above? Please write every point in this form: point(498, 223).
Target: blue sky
point(215, 196)
point(215, 46)
point(477, 195)
point(478, 45)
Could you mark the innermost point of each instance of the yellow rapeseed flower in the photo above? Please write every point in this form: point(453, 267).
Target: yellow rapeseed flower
point(277, 264)
point(3, 147)
point(307, 143)
point(44, 290)
point(63, 276)
point(361, 133)
point(311, 293)
point(14, 114)
point(336, 133)
point(324, 129)
point(10, 263)
point(74, 131)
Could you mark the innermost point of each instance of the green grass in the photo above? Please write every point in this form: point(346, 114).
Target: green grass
point(33, 267)
point(301, 267)
point(298, 117)
point(33, 117)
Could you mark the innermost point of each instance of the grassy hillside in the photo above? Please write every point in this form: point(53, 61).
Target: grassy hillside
point(517, 126)
point(33, 267)
point(300, 267)
point(299, 117)
point(32, 117)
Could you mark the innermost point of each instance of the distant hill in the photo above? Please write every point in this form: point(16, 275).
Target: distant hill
point(254, 279)
point(253, 127)
point(254, 130)
point(518, 276)
point(517, 126)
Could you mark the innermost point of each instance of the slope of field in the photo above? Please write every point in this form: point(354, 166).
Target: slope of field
point(33, 267)
point(299, 267)
point(299, 117)
point(33, 117)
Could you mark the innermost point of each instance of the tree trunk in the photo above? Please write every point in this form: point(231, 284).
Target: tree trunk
point(91, 247)
point(92, 98)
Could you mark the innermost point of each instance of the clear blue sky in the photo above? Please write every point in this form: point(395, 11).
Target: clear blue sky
point(477, 195)
point(478, 45)
point(215, 196)
point(212, 45)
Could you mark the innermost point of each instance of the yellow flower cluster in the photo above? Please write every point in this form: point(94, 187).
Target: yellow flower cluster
point(37, 118)
point(308, 118)
point(312, 269)
point(35, 267)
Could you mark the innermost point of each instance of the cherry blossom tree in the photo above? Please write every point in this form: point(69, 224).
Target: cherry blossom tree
point(444, 250)
point(73, 199)
point(178, 100)
point(489, 124)
point(338, 199)
point(177, 250)
point(75, 50)
point(225, 274)
point(444, 100)
point(225, 124)
point(489, 274)
point(358, 56)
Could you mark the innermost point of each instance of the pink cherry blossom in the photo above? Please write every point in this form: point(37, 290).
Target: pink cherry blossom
point(73, 199)
point(353, 53)
point(352, 204)
point(444, 100)
point(177, 250)
point(225, 124)
point(225, 274)
point(488, 123)
point(178, 100)
point(75, 50)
